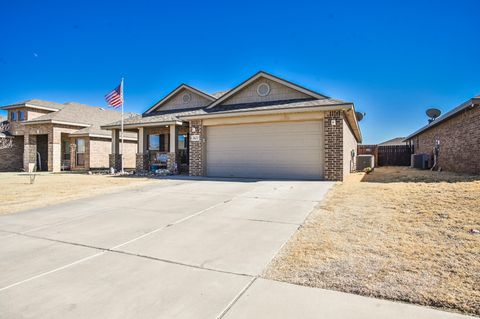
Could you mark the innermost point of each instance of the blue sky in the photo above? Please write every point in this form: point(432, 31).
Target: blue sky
point(393, 59)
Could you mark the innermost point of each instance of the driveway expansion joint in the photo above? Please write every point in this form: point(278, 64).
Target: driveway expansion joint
point(236, 298)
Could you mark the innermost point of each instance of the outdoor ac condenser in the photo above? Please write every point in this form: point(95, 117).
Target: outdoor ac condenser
point(364, 161)
point(421, 161)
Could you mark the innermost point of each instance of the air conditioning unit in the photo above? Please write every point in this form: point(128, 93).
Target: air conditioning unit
point(364, 161)
point(421, 161)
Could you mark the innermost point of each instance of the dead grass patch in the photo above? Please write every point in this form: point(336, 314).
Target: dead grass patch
point(18, 194)
point(398, 233)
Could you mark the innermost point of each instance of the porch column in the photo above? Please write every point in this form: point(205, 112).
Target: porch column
point(115, 158)
point(73, 152)
point(54, 150)
point(141, 163)
point(29, 150)
point(171, 162)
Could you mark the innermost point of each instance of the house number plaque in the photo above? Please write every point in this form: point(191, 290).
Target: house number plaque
point(195, 138)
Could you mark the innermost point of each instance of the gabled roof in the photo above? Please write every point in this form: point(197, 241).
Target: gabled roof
point(475, 101)
point(88, 119)
point(36, 104)
point(271, 77)
point(158, 118)
point(175, 91)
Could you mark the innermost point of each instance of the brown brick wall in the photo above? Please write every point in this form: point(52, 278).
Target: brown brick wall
point(459, 142)
point(11, 159)
point(141, 164)
point(115, 161)
point(197, 149)
point(333, 130)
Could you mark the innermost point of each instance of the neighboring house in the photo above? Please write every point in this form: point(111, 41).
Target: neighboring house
point(266, 127)
point(457, 135)
point(394, 142)
point(61, 137)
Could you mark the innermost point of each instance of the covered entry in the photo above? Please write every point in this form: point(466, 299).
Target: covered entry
point(268, 150)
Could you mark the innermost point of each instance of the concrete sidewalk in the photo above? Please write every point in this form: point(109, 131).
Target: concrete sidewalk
point(272, 299)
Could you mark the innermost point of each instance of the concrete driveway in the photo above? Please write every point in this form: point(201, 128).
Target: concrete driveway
point(179, 249)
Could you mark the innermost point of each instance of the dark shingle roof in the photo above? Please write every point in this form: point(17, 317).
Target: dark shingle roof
point(299, 103)
point(157, 117)
point(178, 115)
point(448, 115)
point(219, 94)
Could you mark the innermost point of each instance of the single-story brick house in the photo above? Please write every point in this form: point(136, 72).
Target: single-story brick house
point(60, 137)
point(457, 135)
point(265, 127)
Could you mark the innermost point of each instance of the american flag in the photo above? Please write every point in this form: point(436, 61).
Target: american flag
point(115, 98)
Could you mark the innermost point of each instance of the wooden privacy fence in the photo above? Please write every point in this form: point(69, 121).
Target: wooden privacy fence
point(388, 155)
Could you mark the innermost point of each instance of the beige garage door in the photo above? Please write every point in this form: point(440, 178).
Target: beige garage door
point(274, 150)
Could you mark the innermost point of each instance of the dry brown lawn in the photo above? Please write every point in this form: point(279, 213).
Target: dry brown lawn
point(17, 194)
point(397, 233)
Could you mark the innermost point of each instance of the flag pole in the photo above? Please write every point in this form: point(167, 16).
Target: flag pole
point(121, 147)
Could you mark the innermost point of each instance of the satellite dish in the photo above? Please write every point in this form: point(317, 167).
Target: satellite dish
point(359, 115)
point(433, 113)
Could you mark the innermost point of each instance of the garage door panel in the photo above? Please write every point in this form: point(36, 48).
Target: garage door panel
point(273, 150)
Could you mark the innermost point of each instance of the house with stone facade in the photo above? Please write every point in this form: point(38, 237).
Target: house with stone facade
point(60, 137)
point(265, 127)
point(456, 134)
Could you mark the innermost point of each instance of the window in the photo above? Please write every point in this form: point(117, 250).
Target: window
point(158, 142)
point(66, 150)
point(157, 146)
point(182, 141)
point(21, 116)
point(13, 116)
point(80, 143)
point(154, 142)
point(183, 148)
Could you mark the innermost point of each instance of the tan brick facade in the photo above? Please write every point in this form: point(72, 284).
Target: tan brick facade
point(459, 139)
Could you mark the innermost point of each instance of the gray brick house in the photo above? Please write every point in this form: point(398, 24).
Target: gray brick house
point(265, 127)
point(457, 134)
point(60, 137)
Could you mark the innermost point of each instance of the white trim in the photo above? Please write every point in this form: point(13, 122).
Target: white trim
point(269, 77)
point(171, 94)
point(108, 127)
point(55, 122)
point(274, 111)
point(348, 108)
point(99, 136)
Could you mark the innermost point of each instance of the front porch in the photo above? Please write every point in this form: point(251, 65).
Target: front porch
point(51, 149)
point(159, 147)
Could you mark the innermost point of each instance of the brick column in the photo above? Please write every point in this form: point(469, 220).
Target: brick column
point(141, 162)
point(115, 158)
point(197, 149)
point(115, 161)
point(333, 130)
point(73, 152)
point(29, 150)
